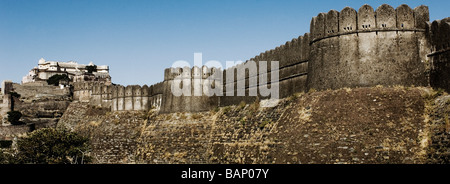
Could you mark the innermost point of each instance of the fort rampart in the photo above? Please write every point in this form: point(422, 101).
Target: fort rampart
point(440, 54)
point(367, 48)
point(349, 48)
point(192, 80)
point(117, 97)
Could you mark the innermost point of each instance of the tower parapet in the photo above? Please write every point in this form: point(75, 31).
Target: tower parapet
point(440, 57)
point(191, 81)
point(93, 92)
point(367, 48)
point(384, 18)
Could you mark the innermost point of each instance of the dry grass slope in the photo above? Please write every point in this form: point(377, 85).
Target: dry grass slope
point(362, 125)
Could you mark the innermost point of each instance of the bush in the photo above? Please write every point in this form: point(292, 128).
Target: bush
point(55, 79)
point(217, 109)
point(197, 116)
point(253, 108)
point(226, 109)
point(241, 105)
point(263, 124)
point(51, 146)
point(14, 117)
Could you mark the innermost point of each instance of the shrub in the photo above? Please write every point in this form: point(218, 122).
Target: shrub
point(14, 117)
point(253, 108)
point(183, 116)
point(51, 146)
point(226, 109)
point(215, 110)
point(243, 121)
point(241, 105)
point(293, 97)
point(263, 124)
point(196, 116)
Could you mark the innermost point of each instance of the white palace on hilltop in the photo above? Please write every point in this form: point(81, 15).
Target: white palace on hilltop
point(76, 72)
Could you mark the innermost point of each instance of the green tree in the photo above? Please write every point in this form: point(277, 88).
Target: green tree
point(14, 117)
point(91, 68)
point(55, 79)
point(51, 146)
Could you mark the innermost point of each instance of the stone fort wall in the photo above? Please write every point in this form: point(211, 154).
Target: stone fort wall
point(349, 48)
point(193, 80)
point(117, 97)
point(135, 98)
point(366, 48)
point(293, 60)
point(439, 35)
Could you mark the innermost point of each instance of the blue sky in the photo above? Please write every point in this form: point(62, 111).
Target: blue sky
point(138, 39)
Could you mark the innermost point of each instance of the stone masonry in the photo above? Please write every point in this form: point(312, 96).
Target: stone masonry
point(345, 49)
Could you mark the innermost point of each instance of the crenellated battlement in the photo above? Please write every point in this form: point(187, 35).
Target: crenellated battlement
point(191, 80)
point(368, 47)
point(106, 96)
point(384, 18)
point(136, 98)
point(187, 73)
point(347, 48)
point(439, 36)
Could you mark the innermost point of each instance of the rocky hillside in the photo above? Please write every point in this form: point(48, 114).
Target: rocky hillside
point(41, 106)
point(363, 125)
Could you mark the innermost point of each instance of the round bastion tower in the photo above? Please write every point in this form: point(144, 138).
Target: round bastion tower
point(366, 48)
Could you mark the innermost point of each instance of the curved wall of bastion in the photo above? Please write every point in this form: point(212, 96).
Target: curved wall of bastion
point(366, 48)
point(440, 54)
point(193, 79)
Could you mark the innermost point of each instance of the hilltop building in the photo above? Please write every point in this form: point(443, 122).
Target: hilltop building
point(75, 71)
